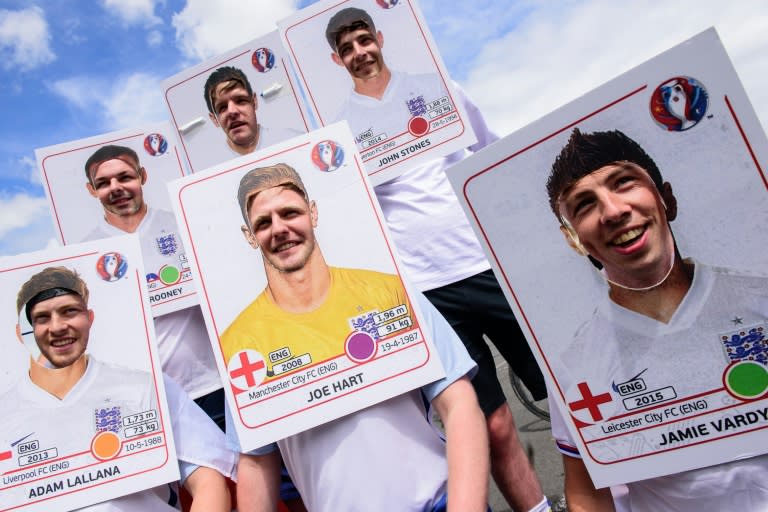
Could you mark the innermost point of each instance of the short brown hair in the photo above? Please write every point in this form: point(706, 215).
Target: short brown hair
point(221, 75)
point(48, 283)
point(111, 152)
point(262, 178)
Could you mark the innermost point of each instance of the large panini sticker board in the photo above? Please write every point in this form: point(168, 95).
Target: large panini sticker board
point(361, 344)
point(418, 118)
point(644, 398)
point(78, 215)
point(279, 109)
point(110, 434)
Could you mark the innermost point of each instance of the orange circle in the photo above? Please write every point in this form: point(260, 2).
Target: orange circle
point(105, 445)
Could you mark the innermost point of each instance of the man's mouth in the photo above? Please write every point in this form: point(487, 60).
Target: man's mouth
point(120, 200)
point(284, 246)
point(365, 65)
point(63, 342)
point(628, 237)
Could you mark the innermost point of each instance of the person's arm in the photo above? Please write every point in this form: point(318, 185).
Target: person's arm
point(580, 492)
point(209, 491)
point(466, 446)
point(258, 482)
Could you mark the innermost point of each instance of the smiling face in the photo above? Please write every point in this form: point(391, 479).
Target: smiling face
point(61, 326)
point(117, 185)
point(234, 111)
point(360, 52)
point(619, 217)
point(282, 226)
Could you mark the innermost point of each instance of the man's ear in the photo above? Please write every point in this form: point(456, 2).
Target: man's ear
point(214, 120)
point(143, 175)
point(18, 333)
point(249, 237)
point(670, 202)
point(91, 316)
point(90, 189)
point(380, 38)
point(335, 58)
point(313, 213)
point(255, 102)
point(573, 241)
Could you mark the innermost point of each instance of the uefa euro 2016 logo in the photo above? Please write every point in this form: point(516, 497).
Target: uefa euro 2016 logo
point(263, 60)
point(111, 266)
point(327, 155)
point(155, 144)
point(679, 103)
point(387, 4)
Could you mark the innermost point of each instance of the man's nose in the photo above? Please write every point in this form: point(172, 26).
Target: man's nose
point(358, 49)
point(114, 184)
point(58, 323)
point(613, 208)
point(279, 226)
point(231, 108)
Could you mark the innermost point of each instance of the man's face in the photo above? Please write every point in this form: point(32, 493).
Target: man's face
point(619, 217)
point(360, 52)
point(61, 327)
point(282, 225)
point(234, 111)
point(117, 184)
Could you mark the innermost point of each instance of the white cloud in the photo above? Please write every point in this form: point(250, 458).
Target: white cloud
point(205, 29)
point(30, 166)
point(19, 211)
point(559, 52)
point(155, 38)
point(133, 12)
point(24, 39)
point(125, 101)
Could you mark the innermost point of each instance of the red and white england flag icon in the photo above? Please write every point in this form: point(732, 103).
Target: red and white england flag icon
point(246, 369)
point(590, 405)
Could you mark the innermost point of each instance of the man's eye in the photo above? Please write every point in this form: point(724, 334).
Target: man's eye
point(581, 206)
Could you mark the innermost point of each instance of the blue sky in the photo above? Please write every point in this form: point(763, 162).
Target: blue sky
point(71, 69)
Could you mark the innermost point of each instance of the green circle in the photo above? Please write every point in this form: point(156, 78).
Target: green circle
point(748, 379)
point(169, 274)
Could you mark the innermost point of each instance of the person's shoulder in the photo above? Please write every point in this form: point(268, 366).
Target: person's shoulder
point(258, 310)
point(120, 374)
point(583, 340)
point(162, 218)
point(365, 277)
point(420, 81)
point(274, 134)
point(736, 277)
point(97, 233)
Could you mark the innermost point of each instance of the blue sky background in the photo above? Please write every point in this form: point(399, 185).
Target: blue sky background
point(71, 69)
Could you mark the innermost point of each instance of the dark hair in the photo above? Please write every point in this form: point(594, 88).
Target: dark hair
point(48, 283)
point(347, 20)
point(225, 74)
point(111, 152)
point(586, 153)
